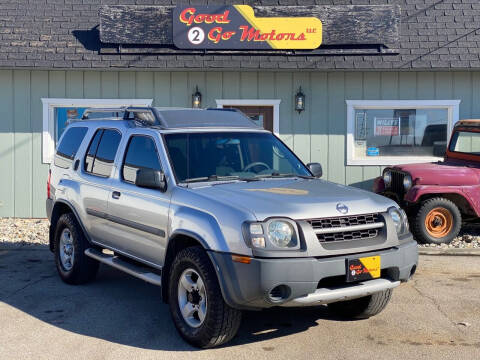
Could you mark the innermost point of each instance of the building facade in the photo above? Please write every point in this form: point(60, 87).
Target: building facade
point(366, 105)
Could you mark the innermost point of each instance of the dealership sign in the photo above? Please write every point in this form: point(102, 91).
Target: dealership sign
point(387, 126)
point(236, 27)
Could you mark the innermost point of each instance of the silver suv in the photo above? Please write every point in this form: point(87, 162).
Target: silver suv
point(221, 215)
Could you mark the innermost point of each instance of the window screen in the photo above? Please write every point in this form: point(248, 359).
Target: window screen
point(69, 145)
point(141, 154)
point(101, 152)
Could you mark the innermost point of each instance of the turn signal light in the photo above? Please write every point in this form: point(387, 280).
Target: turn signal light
point(241, 259)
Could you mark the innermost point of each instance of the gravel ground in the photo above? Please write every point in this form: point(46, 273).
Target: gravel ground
point(23, 231)
point(35, 231)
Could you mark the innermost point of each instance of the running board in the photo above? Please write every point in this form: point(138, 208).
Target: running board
point(138, 271)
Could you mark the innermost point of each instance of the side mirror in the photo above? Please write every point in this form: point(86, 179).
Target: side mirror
point(151, 179)
point(315, 169)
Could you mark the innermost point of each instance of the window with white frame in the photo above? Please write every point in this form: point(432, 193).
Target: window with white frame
point(56, 113)
point(389, 132)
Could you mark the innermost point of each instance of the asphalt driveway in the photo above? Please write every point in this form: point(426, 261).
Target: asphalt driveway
point(435, 316)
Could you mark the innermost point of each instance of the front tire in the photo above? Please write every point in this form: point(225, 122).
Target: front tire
point(438, 221)
point(199, 312)
point(361, 308)
point(73, 266)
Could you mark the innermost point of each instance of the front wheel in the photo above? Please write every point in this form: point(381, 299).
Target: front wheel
point(199, 312)
point(438, 221)
point(361, 308)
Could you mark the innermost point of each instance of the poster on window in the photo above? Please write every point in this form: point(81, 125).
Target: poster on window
point(387, 126)
point(360, 126)
point(63, 114)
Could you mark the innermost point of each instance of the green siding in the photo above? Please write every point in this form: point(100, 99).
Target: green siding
point(317, 134)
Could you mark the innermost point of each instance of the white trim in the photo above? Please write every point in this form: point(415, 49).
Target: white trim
point(453, 116)
point(49, 105)
point(256, 102)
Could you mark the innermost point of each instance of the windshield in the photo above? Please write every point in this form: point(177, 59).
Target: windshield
point(222, 155)
point(465, 142)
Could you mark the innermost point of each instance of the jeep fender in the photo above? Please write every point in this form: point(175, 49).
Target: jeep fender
point(416, 192)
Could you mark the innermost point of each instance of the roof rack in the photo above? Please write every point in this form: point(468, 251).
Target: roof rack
point(170, 118)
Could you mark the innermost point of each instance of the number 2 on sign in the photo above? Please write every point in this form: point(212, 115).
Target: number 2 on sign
point(196, 35)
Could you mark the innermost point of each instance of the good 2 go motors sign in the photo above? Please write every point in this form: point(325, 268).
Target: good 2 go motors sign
point(235, 27)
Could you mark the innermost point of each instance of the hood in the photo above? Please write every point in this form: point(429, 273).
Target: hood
point(295, 198)
point(448, 173)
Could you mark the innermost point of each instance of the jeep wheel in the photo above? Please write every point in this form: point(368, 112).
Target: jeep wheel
point(199, 312)
point(438, 221)
point(361, 308)
point(73, 266)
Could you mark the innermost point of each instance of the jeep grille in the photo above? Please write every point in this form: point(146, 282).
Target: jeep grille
point(397, 183)
point(347, 228)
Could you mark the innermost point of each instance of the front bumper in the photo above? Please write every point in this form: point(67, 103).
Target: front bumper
point(310, 281)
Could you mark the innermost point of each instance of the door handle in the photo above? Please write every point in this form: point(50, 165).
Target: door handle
point(116, 195)
point(75, 165)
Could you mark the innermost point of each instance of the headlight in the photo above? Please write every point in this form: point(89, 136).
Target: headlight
point(281, 233)
point(273, 234)
point(387, 177)
point(407, 182)
point(399, 218)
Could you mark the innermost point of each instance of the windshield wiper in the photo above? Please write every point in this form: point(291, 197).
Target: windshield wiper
point(279, 175)
point(218, 178)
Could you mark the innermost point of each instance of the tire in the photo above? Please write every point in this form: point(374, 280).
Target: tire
point(438, 221)
point(81, 269)
point(220, 322)
point(361, 308)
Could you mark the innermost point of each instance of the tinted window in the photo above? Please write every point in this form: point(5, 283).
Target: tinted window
point(92, 149)
point(233, 154)
point(69, 145)
point(141, 154)
point(101, 152)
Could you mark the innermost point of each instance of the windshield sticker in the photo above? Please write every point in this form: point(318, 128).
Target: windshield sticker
point(282, 191)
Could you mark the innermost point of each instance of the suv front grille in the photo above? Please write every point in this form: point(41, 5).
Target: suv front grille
point(337, 229)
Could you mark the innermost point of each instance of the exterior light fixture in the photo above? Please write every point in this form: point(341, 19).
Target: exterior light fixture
point(196, 99)
point(299, 100)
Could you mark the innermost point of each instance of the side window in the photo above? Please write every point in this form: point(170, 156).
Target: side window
point(68, 147)
point(141, 154)
point(101, 152)
point(92, 150)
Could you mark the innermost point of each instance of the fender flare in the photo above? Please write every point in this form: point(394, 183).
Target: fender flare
point(54, 218)
point(169, 259)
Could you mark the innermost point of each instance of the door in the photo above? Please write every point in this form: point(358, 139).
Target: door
point(94, 181)
point(262, 115)
point(138, 216)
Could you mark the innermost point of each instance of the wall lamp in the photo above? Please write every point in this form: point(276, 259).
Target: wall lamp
point(299, 100)
point(196, 99)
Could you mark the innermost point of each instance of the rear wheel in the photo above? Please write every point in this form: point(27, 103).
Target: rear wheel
point(199, 312)
point(361, 308)
point(73, 266)
point(438, 221)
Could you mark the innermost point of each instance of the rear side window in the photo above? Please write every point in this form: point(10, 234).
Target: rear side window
point(101, 152)
point(141, 154)
point(68, 147)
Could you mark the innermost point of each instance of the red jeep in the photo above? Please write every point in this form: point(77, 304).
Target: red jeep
point(438, 196)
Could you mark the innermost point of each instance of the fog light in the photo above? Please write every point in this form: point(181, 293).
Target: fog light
point(279, 293)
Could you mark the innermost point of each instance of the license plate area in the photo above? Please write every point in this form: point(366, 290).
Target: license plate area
point(365, 268)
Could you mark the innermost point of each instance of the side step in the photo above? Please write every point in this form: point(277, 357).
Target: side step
point(140, 272)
